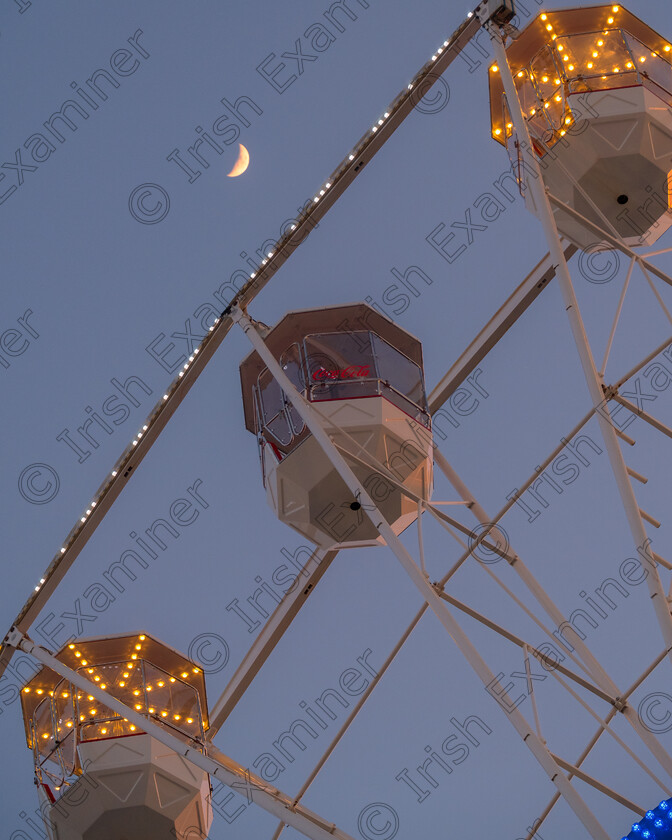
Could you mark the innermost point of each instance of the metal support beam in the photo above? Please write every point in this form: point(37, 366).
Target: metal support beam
point(506, 316)
point(268, 637)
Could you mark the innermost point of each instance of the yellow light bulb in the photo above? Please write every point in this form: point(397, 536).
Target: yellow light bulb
point(160, 684)
point(509, 125)
point(122, 684)
point(97, 678)
point(568, 120)
point(84, 662)
point(643, 59)
point(546, 105)
point(125, 674)
point(494, 68)
point(103, 686)
point(544, 17)
point(595, 54)
point(176, 717)
point(39, 691)
point(164, 714)
point(190, 720)
point(590, 65)
point(667, 48)
point(151, 711)
point(142, 638)
point(45, 735)
point(136, 692)
point(544, 78)
point(184, 675)
point(563, 132)
point(149, 688)
point(172, 679)
point(92, 712)
point(610, 20)
point(77, 653)
point(26, 689)
point(65, 694)
point(69, 723)
point(600, 43)
point(557, 81)
point(571, 67)
point(132, 728)
point(195, 670)
point(134, 656)
point(565, 58)
point(629, 64)
point(138, 647)
point(104, 731)
point(72, 647)
point(617, 69)
point(560, 48)
point(614, 9)
point(138, 706)
point(520, 73)
point(81, 717)
point(549, 27)
point(90, 697)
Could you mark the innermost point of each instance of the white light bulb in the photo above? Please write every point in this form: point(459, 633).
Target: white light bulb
point(352, 157)
point(63, 550)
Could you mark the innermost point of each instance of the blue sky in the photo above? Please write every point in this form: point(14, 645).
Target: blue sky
point(102, 286)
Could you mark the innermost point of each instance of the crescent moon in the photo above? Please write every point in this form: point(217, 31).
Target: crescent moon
point(241, 164)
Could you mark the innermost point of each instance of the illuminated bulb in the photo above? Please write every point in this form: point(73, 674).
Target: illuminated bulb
point(144, 428)
point(26, 690)
point(114, 472)
point(83, 519)
point(184, 674)
point(553, 36)
point(595, 54)
point(557, 81)
point(132, 728)
point(560, 48)
point(164, 714)
point(92, 712)
point(571, 67)
point(129, 664)
point(149, 688)
point(125, 674)
point(563, 132)
point(97, 678)
point(138, 706)
point(122, 684)
point(104, 731)
point(494, 68)
point(39, 691)
point(81, 717)
point(195, 670)
point(45, 735)
point(103, 686)
point(151, 711)
point(629, 64)
point(546, 104)
point(614, 9)
point(568, 120)
point(69, 723)
point(136, 692)
point(172, 679)
point(565, 58)
point(610, 20)
point(90, 697)
point(89, 670)
point(71, 647)
point(600, 43)
point(160, 684)
point(544, 78)
point(667, 48)
point(190, 720)
point(617, 69)
point(138, 647)
point(63, 550)
point(642, 59)
point(509, 125)
point(544, 17)
point(520, 74)
point(590, 65)
point(134, 656)
point(65, 694)
point(498, 131)
point(549, 27)
point(176, 717)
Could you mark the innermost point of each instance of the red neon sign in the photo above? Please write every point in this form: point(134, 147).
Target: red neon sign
point(351, 372)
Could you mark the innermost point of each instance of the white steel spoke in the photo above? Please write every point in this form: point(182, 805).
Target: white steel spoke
point(655, 291)
point(617, 317)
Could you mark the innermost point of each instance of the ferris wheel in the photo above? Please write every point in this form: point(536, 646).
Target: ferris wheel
point(120, 727)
